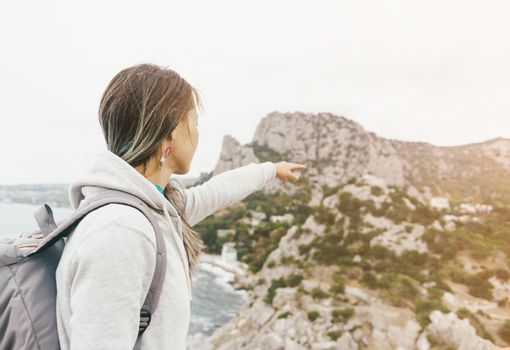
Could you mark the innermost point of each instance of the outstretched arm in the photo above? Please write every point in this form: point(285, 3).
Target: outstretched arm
point(232, 186)
point(226, 188)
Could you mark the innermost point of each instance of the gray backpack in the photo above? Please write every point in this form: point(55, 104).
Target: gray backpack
point(27, 277)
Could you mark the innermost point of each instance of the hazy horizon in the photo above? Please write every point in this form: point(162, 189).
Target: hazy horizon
point(433, 71)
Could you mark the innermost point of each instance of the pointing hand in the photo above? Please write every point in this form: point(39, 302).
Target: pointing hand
point(284, 170)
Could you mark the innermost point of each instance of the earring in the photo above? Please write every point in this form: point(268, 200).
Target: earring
point(163, 158)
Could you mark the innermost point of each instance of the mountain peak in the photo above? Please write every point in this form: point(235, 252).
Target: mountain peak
point(336, 149)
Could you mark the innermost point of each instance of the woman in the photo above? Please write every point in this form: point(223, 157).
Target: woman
point(148, 115)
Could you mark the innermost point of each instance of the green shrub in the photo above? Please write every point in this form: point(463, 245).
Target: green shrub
point(338, 286)
point(381, 252)
point(350, 206)
point(502, 274)
point(464, 313)
point(384, 265)
point(324, 216)
point(342, 315)
point(407, 288)
point(376, 191)
point(328, 191)
point(312, 315)
point(256, 265)
point(265, 239)
point(435, 293)
point(318, 293)
point(329, 251)
point(208, 231)
point(271, 292)
point(463, 238)
point(483, 290)
point(479, 285)
point(291, 281)
point(387, 281)
point(288, 260)
point(304, 249)
point(369, 279)
point(413, 257)
point(424, 307)
point(294, 280)
point(334, 335)
point(285, 314)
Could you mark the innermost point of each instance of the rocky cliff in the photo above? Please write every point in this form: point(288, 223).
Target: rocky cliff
point(381, 244)
point(337, 149)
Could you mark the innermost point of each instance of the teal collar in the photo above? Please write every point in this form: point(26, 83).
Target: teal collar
point(160, 189)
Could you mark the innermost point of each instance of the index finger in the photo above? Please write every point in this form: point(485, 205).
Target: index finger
point(296, 165)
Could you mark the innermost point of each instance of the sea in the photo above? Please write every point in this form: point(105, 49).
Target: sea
point(215, 301)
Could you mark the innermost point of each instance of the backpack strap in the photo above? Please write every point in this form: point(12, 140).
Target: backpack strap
point(44, 218)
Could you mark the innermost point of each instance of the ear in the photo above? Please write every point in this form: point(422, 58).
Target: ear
point(165, 145)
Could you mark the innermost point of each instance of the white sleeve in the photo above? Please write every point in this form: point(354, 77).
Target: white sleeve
point(109, 277)
point(225, 189)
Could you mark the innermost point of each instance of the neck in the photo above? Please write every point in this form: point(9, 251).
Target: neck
point(160, 179)
point(156, 176)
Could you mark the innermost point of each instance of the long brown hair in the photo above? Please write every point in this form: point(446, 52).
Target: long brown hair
point(139, 109)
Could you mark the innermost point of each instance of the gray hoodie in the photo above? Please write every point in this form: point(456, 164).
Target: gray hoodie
point(105, 271)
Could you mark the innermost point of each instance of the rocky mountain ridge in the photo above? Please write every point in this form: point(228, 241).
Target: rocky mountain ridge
point(363, 252)
point(337, 149)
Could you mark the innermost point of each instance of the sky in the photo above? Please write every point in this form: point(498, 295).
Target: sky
point(432, 71)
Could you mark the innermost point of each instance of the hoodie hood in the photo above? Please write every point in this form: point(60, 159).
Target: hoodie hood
point(109, 171)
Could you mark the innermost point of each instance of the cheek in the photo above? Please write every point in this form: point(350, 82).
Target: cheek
point(197, 137)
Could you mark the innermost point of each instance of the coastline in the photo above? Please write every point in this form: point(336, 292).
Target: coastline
point(240, 271)
point(235, 275)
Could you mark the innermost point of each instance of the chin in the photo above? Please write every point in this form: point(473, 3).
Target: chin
point(181, 171)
